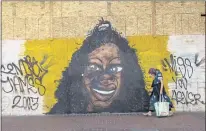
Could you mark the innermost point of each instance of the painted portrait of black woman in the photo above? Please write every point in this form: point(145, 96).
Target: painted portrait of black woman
point(103, 76)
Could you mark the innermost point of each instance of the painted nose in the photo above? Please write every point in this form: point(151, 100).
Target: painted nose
point(104, 79)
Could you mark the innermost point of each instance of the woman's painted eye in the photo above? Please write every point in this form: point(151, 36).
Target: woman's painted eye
point(93, 68)
point(116, 69)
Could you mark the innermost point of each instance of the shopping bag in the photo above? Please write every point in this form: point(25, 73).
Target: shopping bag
point(161, 107)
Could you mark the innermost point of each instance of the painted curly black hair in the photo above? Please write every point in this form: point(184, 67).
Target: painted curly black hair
point(73, 97)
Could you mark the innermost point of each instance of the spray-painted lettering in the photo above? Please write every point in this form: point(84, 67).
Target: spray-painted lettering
point(182, 67)
point(29, 103)
point(24, 78)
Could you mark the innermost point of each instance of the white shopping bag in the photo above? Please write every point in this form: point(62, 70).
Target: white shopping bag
point(162, 107)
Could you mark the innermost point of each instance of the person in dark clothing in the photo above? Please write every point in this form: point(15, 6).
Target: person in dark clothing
point(158, 89)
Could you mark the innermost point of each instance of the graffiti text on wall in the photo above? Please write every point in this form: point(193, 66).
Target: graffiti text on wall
point(182, 66)
point(24, 78)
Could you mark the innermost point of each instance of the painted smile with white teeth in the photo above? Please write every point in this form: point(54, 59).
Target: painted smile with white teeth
point(104, 92)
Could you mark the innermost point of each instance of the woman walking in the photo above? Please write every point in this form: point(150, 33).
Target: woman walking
point(158, 89)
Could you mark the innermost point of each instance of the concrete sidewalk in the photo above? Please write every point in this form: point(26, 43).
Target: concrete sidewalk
point(105, 122)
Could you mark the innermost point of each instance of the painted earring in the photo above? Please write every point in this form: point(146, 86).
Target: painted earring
point(82, 74)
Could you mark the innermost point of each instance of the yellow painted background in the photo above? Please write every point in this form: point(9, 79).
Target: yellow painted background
point(150, 50)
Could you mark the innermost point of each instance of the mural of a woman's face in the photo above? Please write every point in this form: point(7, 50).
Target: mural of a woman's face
point(102, 76)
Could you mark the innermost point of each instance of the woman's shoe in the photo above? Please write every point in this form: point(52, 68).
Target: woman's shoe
point(147, 114)
point(171, 113)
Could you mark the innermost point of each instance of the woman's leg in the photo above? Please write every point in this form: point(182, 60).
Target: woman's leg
point(153, 99)
point(170, 104)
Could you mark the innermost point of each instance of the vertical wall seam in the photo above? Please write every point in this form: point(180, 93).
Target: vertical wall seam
point(154, 17)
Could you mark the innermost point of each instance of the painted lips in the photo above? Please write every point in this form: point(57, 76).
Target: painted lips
point(102, 92)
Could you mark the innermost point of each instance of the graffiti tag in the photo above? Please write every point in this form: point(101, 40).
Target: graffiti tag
point(186, 97)
point(24, 78)
point(182, 67)
point(30, 103)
